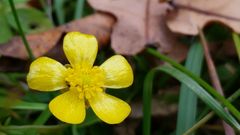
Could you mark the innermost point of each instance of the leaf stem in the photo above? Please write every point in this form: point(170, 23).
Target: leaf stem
point(29, 51)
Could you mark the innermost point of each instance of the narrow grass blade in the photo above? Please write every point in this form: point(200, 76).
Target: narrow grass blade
point(187, 107)
point(189, 82)
point(43, 117)
point(79, 9)
point(47, 6)
point(202, 94)
point(147, 96)
point(208, 116)
point(17, 104)
point(201, 82)
point(58, 6)
point(41, 120)
point(41, 129)
point(236, 40)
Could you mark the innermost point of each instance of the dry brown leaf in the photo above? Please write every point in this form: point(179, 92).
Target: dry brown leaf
point(191, 14)
point(132, 31)
point(99, 25)
point(40, 43)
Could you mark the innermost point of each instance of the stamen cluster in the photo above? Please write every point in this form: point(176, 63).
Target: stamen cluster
point(87, 81)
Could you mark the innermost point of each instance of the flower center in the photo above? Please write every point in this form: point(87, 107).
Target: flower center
point(87, 81)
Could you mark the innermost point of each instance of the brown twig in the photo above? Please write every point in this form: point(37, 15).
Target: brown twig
point(214, 77)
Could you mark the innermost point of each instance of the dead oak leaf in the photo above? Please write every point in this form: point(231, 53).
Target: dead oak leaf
point(40, 43)
point(99, 25)
point(139, 22)
point(193, 14)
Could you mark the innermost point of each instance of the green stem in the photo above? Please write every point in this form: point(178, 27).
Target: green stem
point(29, 51)
point(206, 118)
point(211, 90)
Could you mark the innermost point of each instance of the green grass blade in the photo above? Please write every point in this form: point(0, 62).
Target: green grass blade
point(208, 116)
point(199, 124)
point(187, 107)
point(47, 6)
point(236, 40)
point(79, 9)
point(41, 129)
point(17, 104)
point(202, 94)
point(147, 96)
point(43, 117)
point(41, 120)
point(58, 6)
point(205, 85)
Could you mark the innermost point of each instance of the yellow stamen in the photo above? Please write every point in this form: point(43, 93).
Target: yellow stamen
point(87, 81)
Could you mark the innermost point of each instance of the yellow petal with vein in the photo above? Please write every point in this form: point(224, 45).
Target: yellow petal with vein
point(68, 107)
point(80, 48)
point(119, 73)
point(108, 108)
point(46, 74)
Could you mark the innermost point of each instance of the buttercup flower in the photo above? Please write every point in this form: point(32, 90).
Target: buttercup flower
point(84, 83)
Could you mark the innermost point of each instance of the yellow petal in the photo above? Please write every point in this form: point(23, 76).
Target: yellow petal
point(80, 48)
point(68, 107)
point(119, 73)
point(108, 108)
point(46, 74)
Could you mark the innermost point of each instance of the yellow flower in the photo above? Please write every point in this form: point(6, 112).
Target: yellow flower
point(84, 82)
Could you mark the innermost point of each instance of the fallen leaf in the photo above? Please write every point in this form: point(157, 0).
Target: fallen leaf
point(98, 24)
point(40, 43)
point(139, 23)
point(191, 14)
